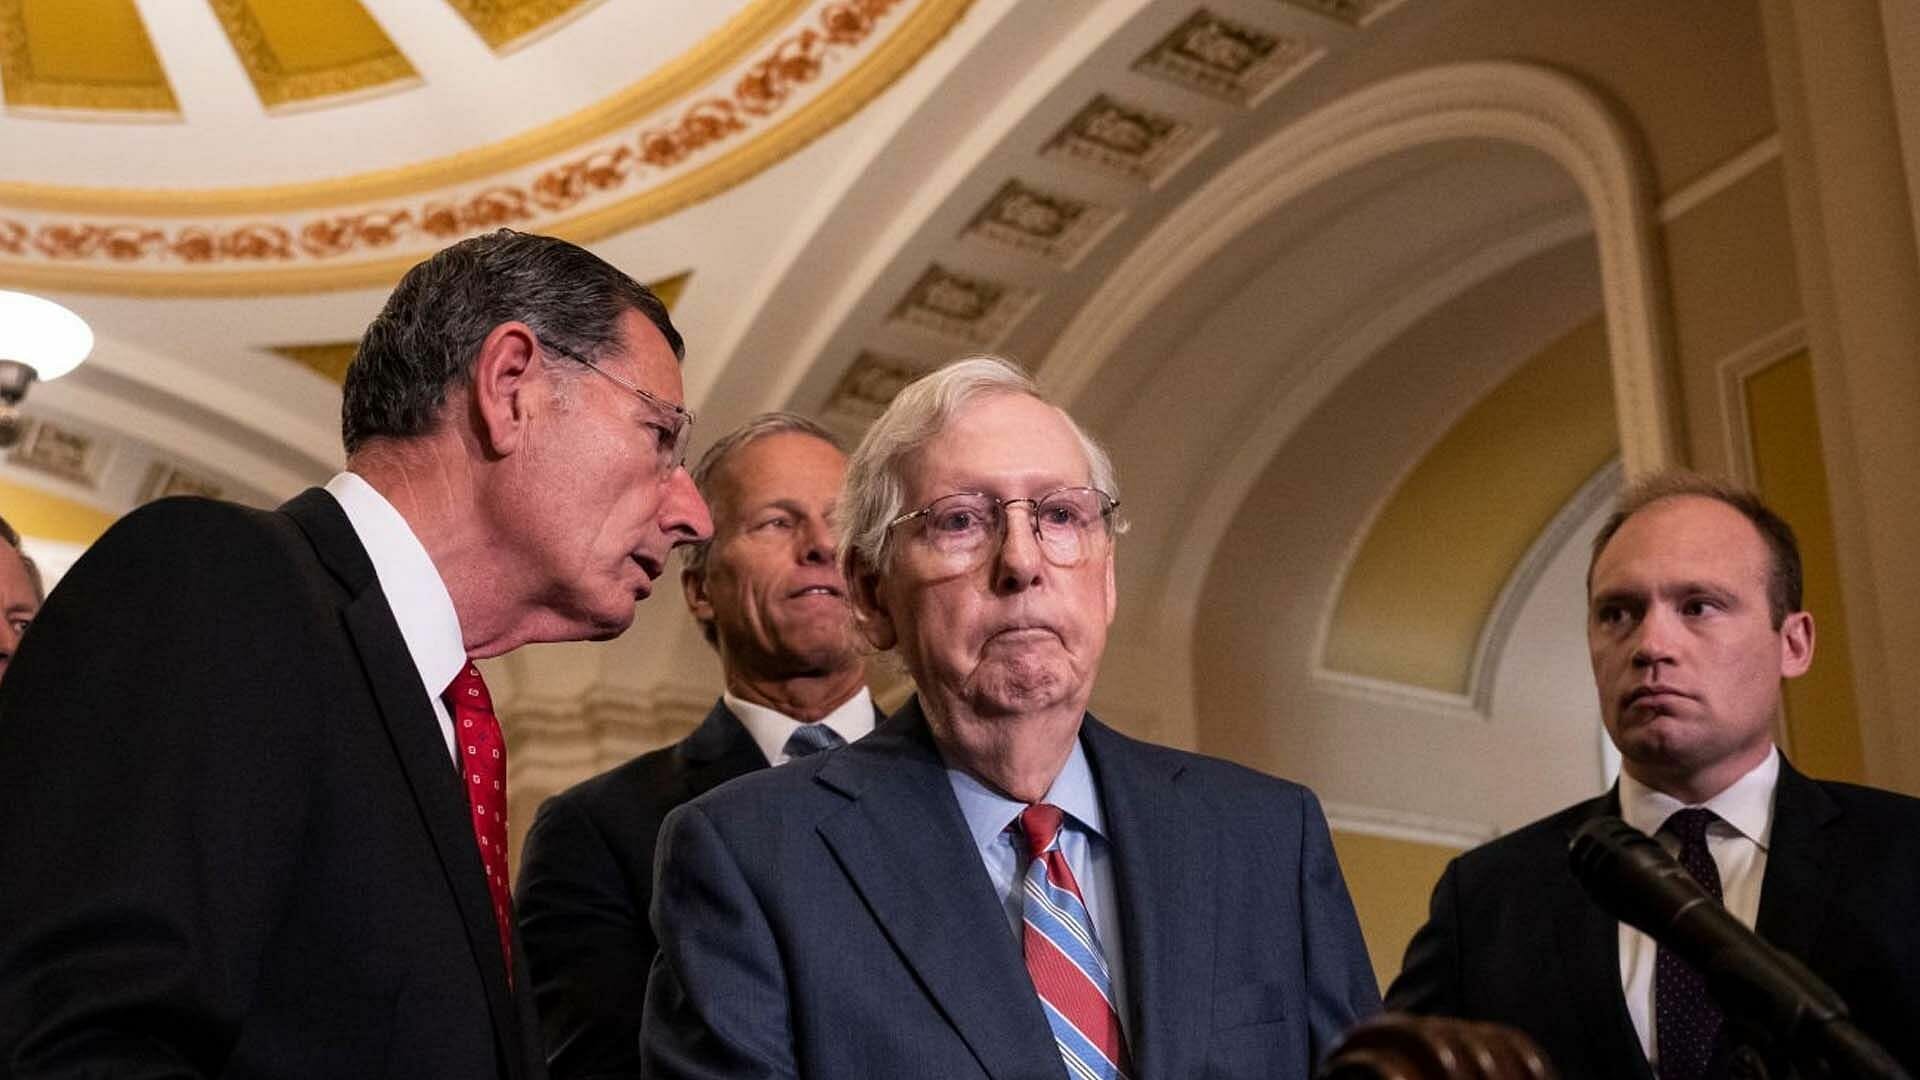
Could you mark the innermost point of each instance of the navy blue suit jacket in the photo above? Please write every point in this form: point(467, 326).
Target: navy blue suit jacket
point(1514, 939)
point(832, 919)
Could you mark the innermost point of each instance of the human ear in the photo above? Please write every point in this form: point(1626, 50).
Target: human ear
point(502, 390)
point(1796, 645)
point(869, 614)
point(693, 584)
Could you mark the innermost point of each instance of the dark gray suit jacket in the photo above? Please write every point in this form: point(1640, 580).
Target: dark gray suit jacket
point(832, 919)
point(1512, 937)
point(232, 841)
point(586, 875)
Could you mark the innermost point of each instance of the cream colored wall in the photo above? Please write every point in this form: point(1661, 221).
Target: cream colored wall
point(1390, 880)
point(1417, 596)
point(1822, 729)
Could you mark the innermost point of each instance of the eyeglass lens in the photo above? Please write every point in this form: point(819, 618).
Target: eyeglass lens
point(963, 525)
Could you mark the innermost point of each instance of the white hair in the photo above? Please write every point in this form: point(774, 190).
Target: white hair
point(875, 489)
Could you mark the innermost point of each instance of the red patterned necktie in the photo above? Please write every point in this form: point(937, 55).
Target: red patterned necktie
point(483, 762)
point(1064, 958)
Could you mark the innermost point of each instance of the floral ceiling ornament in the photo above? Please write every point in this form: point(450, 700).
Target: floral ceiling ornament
point(789, 74)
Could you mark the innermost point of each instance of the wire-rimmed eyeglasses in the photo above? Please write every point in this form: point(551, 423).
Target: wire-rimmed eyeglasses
point(1069, 523)
point(672, 426)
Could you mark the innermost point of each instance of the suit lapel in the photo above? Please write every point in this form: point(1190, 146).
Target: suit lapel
point(718, 750)
point(415, 736)
point(1798, 883)
point(1589, 941)
point(907, 850)
point(1163, 846)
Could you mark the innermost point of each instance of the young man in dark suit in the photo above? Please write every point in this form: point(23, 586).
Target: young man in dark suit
point(994, 884)
point(1694, 620)
point(769, 597)
point(251, 784)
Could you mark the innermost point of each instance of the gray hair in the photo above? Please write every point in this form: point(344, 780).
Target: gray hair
point(875, 490)
point(424, 340)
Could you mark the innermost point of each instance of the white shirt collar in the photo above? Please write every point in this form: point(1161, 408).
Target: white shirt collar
point(1746, 804)
point(415, 592)
point(771, 728)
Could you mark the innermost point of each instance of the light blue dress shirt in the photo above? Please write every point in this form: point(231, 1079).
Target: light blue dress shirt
point(1083, 841)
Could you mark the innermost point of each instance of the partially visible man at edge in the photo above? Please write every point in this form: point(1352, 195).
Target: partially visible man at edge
point(252, 800)
point(770, 599)
point(995, 884)
point(1694, 620)
point(21, 593)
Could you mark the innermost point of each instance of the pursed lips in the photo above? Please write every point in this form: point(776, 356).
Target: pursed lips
point(1016, 633)
point(1657, 691)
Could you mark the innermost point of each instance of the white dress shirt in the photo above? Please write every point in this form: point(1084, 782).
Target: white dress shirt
point(414, 589)
point(771, 728)
point(1738, 843)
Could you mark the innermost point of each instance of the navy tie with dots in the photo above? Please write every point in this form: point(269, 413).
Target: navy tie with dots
point(1686, 1022)
point(810, 739)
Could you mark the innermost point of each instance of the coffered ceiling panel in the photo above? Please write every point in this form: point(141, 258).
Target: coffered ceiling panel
point(88, 55)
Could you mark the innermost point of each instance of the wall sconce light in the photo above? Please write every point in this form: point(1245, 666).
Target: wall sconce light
point(39, 340)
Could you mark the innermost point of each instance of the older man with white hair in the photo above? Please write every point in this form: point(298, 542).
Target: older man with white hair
point(995, 884)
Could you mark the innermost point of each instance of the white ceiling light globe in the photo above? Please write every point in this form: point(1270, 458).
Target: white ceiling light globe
point(41, 334)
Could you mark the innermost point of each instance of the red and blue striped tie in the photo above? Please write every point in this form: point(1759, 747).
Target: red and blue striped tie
point(1063, 956)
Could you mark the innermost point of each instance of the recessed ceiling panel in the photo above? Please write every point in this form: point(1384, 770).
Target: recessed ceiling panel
point(302, 50)
point(89, 55)
point(505, 23)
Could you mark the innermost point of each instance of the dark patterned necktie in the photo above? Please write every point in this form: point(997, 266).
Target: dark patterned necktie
point(1686, 1022)
point(483, 765)
point(810, 739)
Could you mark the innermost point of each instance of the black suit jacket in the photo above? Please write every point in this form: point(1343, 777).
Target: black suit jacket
point(232, 840)
point(832, 919)
point(586, 877)
point(1512, 937)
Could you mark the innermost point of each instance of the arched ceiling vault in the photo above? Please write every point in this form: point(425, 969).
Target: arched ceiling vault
point(1194, 220)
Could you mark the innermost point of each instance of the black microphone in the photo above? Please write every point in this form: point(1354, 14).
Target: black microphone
point(1634, 879)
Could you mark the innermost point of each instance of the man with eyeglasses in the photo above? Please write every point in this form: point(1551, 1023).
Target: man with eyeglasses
point(995, 884)
point(769, 598)
point(252, 786)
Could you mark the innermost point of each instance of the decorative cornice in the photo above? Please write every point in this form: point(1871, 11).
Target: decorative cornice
point(349, 247)
point(697, 67)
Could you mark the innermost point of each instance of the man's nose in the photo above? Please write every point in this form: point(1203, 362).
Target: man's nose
point(684, 514)
point(816, 541)
point(1018, 564)
point(1653, 637)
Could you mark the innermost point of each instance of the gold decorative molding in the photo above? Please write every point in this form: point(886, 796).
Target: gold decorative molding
point(506, 23)
point(91, 55)
point(699, 65)
point(268, 248)
point(288, 61)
